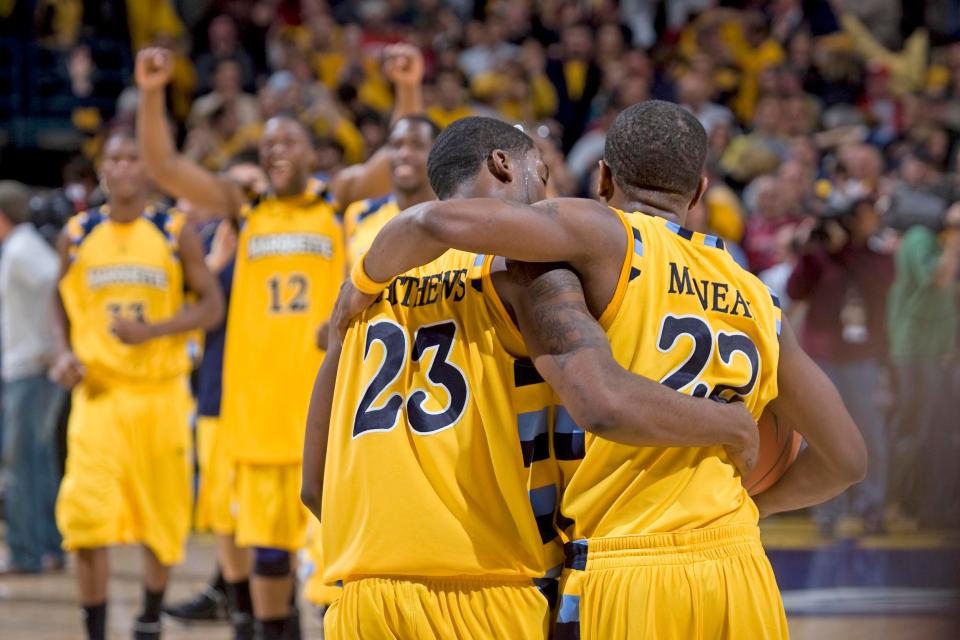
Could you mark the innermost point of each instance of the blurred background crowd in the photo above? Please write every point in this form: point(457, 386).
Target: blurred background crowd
point(833, 164)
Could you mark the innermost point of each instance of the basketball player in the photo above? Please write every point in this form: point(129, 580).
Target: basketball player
point(668, 536)
point(215, 460)
point(290, 260)
point(122, 338)
point(438, 513)
point(408, 145)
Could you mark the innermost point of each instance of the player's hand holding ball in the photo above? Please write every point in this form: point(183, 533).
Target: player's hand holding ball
point(743, 454)
point(67, 370)
point(154, 68)
point(130, 331)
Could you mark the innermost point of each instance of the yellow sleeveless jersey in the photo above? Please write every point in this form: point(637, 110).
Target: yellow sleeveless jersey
point(362, 222)
point(687, 315)
point(289, 266)
point(439, 460)
point(130, 270)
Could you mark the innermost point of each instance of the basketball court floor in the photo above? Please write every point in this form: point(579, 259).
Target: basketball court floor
point(891, 587)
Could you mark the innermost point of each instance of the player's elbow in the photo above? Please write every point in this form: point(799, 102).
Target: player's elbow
point(214, 311)
point(594, 409)
point(850, 462)
point(311, 496)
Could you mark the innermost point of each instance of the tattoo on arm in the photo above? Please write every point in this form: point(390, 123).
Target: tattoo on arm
point(554, 312)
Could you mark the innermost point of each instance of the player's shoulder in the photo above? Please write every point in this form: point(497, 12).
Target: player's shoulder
point(168, 221)
point(79, 226)
point(361, 209)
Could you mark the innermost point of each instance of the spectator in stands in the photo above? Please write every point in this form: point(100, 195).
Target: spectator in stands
point(489, 49)
point(694, 92)
point(224, 45)
point(450, 92)
point(845, 283)
point(29, 268)
point(577, 78)
point(860, 171)
point(752, 153)
point(768, 215)
point(923, 321)
point(227, 89)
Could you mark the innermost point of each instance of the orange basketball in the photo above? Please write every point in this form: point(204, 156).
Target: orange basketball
point(779, 446)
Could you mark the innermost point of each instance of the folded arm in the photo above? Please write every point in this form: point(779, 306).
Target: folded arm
point(571, 352)
point(206, 313)
point(835, 456)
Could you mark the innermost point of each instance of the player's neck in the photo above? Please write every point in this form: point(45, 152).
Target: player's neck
point(127, 209)
point(406, 199)
point(652, 203)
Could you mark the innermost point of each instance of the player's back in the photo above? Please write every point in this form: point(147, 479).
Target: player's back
point(438, 459)
point(128, 270)
point(687, 316)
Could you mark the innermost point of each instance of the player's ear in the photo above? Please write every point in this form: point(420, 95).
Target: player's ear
point(498, 163)
point(605, 188)
point(701, 189)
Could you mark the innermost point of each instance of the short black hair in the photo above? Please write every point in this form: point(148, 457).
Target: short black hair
point(420, 118)
point(656, 146)
point(462, 148)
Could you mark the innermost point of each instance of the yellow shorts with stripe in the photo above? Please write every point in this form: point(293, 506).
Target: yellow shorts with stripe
point(268, 507)
point(712, 583)
point(437, 608)
point(216, 495)
point(128, 469)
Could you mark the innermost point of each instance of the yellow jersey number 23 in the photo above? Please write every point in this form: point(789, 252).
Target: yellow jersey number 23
point(374, 414)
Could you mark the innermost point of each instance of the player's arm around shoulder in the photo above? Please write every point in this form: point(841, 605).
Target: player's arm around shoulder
point(173, 172)
point(571, 351)
point(577, 231)
point(835, 456)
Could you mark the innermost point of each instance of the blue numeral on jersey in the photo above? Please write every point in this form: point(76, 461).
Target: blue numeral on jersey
point(394, 340)
point(687, 375)
point(442, 373)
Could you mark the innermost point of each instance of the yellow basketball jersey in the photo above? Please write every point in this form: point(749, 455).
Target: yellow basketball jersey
point(130, 270)
point(363, 220)
point(686, 315)
point(289, 266)
point(439, 459)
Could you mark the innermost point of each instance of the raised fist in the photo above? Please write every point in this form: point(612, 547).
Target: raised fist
point(403, 64)
point(154, 68)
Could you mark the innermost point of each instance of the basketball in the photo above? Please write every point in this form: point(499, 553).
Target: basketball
point(779, 446)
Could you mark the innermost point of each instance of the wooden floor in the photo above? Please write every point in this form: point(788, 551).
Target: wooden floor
point(42, 608)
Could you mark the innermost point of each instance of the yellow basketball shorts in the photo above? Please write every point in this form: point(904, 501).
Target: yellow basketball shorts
point(314, 590)
point(269, 512)
point(713, 583)
point(128, 468)
point(216, 494)
point(437, 608)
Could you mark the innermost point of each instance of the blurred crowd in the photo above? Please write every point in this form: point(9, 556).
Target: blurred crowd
point(833, 163)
